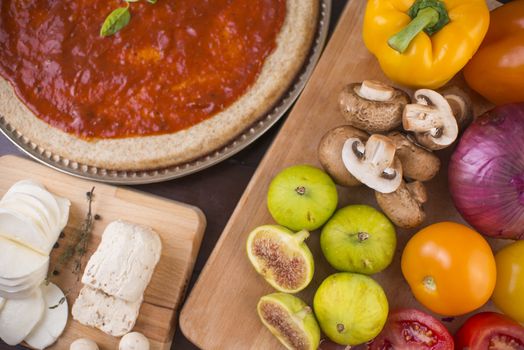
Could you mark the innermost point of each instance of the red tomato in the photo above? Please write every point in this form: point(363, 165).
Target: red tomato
point(410, 329)
point(490, 330)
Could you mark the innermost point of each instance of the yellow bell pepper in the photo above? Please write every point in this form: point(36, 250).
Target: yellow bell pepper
point(424, 43)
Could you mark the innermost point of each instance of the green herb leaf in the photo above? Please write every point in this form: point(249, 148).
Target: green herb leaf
point(116, 20)
point(151, 1)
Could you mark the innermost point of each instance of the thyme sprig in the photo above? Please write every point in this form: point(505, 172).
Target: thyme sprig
point(76, 247)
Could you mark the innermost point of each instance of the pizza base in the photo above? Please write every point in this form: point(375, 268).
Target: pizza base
point(161, 151)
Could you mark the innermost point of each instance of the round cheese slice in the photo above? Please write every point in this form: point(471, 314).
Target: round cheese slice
point(20, 228)
point(54, 320)
point(17, 205)
point(19, 262)
point(18, 317)
point(41, 212)
point(38, 191)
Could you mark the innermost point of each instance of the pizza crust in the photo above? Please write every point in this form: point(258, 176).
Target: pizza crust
point(160, 151)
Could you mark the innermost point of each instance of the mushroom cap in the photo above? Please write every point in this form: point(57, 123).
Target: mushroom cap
point(83, 344)
point(330, 153)
point(373, 163)
point(418, 163)
point(134, 341)
point(431, 119)
point(404, 206)
point(372, 116)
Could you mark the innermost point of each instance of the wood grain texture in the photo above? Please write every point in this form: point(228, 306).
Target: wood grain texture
point(180, 227)
point(220, 313)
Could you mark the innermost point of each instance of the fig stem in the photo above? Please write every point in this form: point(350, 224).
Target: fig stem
point(301, 236)
point(340, 328)
point(301, 190)
point(303, 313)
point(362, 236)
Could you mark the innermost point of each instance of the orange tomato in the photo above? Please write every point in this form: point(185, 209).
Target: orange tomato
point(450, 268)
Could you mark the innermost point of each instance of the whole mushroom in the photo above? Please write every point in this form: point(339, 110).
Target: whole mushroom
point(418, 163)
point(134, 341)
point(431, 119)
point(373, 163)
point(83, 344)
point(373, 106)
point(330, 153)
point(404, 206)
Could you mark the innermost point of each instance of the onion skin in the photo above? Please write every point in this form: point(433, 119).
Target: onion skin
point(486, 173)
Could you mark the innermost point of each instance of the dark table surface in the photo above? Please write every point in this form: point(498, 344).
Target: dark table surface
point(215, 190)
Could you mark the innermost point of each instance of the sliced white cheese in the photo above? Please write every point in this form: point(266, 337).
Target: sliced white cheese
point(124, 261)
point(17, 204)
point(17, 261)
point(44, 214)
point(35, 278)
point(21, 229)
point(111, 315)
point(63, 204)
point(18, 317)
point(57, 207)
point(53, 323)
point(21, 294)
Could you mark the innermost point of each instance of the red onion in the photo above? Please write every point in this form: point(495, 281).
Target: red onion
point(486, 173)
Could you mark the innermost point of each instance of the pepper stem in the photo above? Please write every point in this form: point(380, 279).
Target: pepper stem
point(401, 40)
point(427, 15)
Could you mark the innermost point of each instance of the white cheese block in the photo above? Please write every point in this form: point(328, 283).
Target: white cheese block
point(23, 230)
point(124, 261)
point(18, 317)
point(111, 315)
point(17, 261)
point(54, 320)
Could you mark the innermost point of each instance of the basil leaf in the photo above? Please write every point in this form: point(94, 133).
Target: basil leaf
point(152, 1)
point(116, 20)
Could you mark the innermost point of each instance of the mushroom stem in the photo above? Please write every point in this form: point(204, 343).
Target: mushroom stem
point(427, 15)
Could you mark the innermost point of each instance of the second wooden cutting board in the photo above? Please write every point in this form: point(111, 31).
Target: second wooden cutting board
point(221, 313)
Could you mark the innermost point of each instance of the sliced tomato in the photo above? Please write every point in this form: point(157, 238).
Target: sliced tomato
point(490, 331)
point(410, 329)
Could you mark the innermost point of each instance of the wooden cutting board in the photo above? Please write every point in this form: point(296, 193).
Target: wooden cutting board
point(220, 313)
point(180, 227)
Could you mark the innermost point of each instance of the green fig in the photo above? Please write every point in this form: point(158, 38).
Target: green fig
point(281, 257)
point(290, 320)
point(359, 238)
point(302, 197)
point(350, 308)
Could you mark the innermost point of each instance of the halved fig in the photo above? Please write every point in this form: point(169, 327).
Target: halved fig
point(290, 320)
point(281, 257)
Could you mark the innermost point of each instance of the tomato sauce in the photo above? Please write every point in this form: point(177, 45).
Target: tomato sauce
point(177, 63)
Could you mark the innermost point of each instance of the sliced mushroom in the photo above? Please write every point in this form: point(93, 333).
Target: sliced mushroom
point(373, 106)
point(373, 163)
point(431, 119)
point(460, 104)
point(404, 206)
point(330, 153)
point(418, 163)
